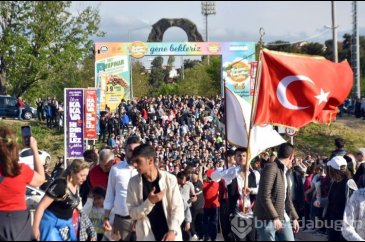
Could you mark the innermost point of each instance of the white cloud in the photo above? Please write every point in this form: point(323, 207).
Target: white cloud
point(234, 21)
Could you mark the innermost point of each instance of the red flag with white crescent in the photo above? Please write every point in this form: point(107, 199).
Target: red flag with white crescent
point(297, 89)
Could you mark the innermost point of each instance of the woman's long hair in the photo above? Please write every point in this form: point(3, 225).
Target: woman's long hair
point(339, 175)
point(75, 167)
point(9, 153)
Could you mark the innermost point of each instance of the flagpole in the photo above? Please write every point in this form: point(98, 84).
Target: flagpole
point(253, 111)
point(225, 123)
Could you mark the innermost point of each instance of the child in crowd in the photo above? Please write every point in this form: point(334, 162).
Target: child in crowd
point(94, 208)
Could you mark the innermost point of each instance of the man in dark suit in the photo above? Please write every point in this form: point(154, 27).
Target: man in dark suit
point(274, 209)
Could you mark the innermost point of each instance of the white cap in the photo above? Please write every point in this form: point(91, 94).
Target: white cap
point(337, 162)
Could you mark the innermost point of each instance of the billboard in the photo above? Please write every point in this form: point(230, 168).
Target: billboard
point(113, 74)
point(90, 114)
point(74, 128)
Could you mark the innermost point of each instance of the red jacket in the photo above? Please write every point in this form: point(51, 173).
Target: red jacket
point(211, 194)
point(98, 178)
point(20, 104)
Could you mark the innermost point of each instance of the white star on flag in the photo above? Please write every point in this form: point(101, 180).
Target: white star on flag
point(323, 97)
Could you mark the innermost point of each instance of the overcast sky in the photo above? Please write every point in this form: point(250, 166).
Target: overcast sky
point(234, 21)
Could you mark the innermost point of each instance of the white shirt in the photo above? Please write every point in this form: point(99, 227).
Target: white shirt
point(116, 194)
point(234, 172)
point(241, 184)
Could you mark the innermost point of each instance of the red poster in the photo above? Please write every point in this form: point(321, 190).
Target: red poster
point(90, 114)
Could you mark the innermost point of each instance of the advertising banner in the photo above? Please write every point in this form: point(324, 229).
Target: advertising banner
point(113, 65)
point(90, 114)
point(113, 80)
point(74, 123)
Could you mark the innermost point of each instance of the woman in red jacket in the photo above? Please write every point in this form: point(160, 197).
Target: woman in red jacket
point(15, 222)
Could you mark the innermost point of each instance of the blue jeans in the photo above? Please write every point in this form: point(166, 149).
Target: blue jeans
point(266, 232)
point(20, 112)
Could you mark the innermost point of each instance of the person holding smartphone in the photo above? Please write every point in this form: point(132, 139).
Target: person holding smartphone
point(15, 219)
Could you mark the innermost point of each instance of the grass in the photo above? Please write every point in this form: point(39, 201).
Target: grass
point(318, 139)
point(49, 140)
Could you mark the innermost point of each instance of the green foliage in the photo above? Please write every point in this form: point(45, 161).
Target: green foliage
point(202, 80)
point(157, 73)
point(190, 63)
point(46, 48)
point(168, 89)
point(312, 49)
point(283, 46)
point(140, 81)
point(214, 72)
point(171, 60)
point(50, 140)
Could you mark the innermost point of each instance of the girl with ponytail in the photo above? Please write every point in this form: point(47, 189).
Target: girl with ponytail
point(53, 217)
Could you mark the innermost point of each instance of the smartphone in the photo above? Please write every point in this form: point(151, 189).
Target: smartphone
point(26, 134)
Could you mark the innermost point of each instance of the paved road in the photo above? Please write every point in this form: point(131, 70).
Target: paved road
point(301, 236)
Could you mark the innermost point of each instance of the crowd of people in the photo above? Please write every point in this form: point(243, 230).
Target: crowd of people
point(354, 107)
point(164, 172)
point(51, 111)
point(184, 130)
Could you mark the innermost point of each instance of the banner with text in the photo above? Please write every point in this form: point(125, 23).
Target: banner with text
point(90, 113)
point(74, 123)
point(113, 80)
point(112, 65)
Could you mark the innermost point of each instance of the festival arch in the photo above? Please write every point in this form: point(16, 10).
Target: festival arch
point(113, 65)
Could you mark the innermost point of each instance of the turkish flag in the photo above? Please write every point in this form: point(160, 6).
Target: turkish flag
point(296, 89)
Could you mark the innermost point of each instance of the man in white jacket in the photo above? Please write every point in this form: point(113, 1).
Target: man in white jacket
point(354, 218)
point(154, 199)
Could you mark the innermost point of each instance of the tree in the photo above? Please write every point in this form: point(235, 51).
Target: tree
point(140, 83)
point(168, 89)
point(283, 46)
point(170, 64)
point(312, 48)
point(157, 73)
point(202, 80)
point(214, 71)
point(43, 43)
point(188, 63)
point(171, 60)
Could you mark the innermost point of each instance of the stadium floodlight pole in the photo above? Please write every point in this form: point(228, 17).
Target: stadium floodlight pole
point(355, 50)
point(208, 8)
point(334, 31)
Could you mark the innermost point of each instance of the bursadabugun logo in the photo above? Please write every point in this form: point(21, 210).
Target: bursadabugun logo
point(242, 224)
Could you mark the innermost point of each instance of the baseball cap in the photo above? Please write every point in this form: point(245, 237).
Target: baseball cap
point(337, 162)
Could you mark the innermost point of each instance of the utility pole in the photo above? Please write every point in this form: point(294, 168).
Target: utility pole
point(334, 32)
point(355, 50)
point(208, 8)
